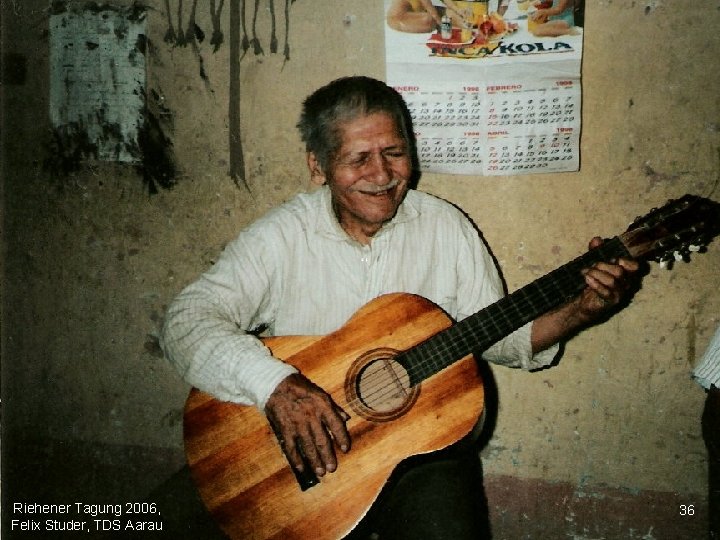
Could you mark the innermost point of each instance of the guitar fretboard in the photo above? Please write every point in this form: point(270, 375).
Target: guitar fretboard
point(479, 331)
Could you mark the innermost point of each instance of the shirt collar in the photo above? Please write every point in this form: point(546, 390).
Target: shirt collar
point(328, 225)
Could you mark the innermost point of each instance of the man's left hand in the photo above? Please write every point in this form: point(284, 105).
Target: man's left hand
point(608, 284)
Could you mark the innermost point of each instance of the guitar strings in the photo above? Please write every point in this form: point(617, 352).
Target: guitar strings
point(438, 352)
point(526, 300)
point(387, 388)
point(429, 350)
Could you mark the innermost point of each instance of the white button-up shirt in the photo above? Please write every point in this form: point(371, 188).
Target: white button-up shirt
point(296, 272)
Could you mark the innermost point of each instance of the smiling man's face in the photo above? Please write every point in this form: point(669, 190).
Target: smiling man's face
point(368, 176)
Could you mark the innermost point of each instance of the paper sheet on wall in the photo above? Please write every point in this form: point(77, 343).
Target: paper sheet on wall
point(97, 79)
point(493, 97)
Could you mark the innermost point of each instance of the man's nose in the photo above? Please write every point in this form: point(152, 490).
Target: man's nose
point(379, 170)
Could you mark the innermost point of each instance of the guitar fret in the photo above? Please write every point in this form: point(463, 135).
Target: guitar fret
point(480, 330)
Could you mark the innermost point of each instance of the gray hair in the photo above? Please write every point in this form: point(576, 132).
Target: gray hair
point(343, 100)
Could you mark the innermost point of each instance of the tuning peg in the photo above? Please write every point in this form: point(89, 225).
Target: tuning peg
point(694, 249)
point(665, 264)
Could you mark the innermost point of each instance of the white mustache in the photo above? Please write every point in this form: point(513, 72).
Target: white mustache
point(372, 188)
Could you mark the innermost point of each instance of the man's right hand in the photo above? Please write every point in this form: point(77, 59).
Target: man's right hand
point(306, 419)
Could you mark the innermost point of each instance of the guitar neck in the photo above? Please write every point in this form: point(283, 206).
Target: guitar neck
point(479, 331)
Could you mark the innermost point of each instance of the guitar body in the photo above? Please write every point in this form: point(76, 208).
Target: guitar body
point(246, 481)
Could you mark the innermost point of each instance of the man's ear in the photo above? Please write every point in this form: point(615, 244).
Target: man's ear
point(317, 176)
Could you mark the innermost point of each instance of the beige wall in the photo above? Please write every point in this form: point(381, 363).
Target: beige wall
point(92, 260)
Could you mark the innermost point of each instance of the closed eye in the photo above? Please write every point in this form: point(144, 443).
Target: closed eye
point(363, 158)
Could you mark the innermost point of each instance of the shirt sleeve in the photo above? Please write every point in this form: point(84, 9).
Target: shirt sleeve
point(206, 330)
point(479, 286)
point(707, 373)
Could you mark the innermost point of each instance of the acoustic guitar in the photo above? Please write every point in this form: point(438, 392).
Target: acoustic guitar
point(407, 375)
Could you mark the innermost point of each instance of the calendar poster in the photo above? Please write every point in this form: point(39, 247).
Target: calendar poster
point(493, 87)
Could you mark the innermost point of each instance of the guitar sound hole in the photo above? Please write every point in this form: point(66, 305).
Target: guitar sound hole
point(383, 385)
point(378, 388)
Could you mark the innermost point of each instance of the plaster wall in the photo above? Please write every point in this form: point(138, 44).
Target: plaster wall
point(92, 258)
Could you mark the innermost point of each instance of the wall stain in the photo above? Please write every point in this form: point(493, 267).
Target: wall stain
point(152, 347)
point(69, 146)
point(172, 418)
point(181, 34)
point(691, 340)
point(217, 37)
point(237, 159)
point(255, 42)
point(658, 177)
point(158, 167)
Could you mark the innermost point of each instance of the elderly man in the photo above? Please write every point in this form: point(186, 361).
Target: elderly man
point(308, 265)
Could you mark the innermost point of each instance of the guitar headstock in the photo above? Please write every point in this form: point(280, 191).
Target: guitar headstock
point(670, 233)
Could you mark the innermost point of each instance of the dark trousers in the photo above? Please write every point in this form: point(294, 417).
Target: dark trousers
point(711, 435)
point(439, 496)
